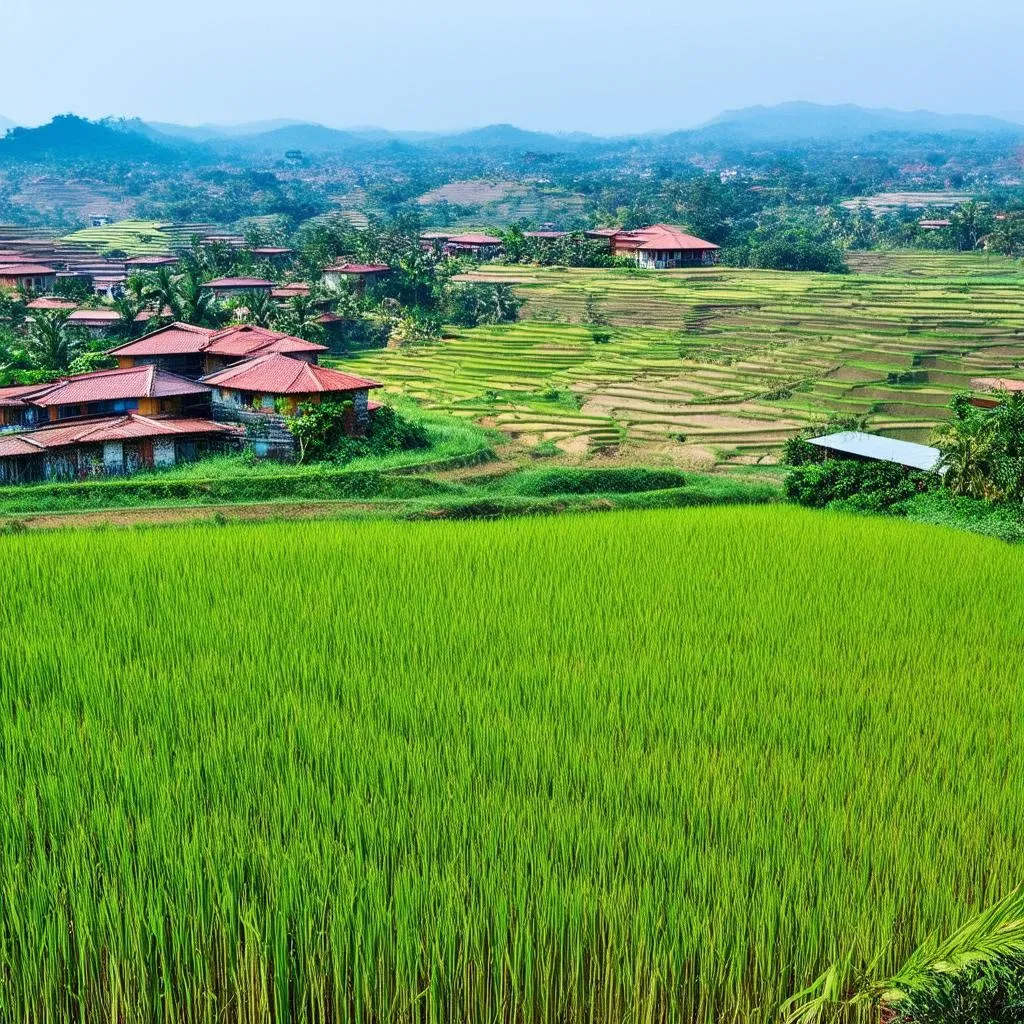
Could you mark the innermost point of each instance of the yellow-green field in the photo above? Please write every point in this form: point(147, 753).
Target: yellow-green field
point(723, 364)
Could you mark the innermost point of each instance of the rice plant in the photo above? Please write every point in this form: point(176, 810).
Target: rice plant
point(651, 767)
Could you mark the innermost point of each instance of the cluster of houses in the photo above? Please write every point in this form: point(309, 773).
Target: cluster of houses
point(176, 394)
point(658, 247)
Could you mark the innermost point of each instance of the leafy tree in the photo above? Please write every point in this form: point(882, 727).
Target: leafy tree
point(51, 343)
point(74, 289)
point(301, 319)
point(261, 310)
point(194, 304)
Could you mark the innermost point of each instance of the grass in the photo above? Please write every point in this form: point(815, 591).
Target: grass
point(733, 361)
point(641, 767)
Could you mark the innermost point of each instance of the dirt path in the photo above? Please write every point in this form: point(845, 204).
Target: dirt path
point(186, 514)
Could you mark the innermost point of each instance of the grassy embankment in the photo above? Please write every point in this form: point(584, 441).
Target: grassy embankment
point(640, 767)
point(721, 365)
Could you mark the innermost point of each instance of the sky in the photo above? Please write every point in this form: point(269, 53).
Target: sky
point(602, 66)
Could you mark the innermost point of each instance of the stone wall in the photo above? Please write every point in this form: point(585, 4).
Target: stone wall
point(268, 433)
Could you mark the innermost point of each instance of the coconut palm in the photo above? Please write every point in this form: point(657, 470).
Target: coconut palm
point(301, 319)
point(261, 310)
point(195, 304)
point(161, 290)
point(969, 457)
point(128, 309)
point(51, 344)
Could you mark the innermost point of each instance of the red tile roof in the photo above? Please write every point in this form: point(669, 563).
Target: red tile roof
point(239, 282)
point(111, 385)
point(116, 428)
point(248, 340)
point(25, 270)
point(238, 340)
point(286, 291)
point(660, 237)
point(50, 302)
point(150, 261)
point(279, 375)
point(474, 240)
point(997, 384)
point(13, 398)
point(357, 268)
point(94, 317)
point(175, 339)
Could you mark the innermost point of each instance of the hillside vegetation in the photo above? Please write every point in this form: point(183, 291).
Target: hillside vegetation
point(461, 771)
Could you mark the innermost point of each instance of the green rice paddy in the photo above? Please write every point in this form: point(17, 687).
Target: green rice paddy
point(726, 362)
point(641, 767)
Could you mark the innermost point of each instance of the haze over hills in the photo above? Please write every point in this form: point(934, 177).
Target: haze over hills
point(801, 120)
point(70, 137)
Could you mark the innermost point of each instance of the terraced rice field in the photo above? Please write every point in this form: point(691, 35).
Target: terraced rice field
point(725, 362)
point(135, 237)
point(655, 768)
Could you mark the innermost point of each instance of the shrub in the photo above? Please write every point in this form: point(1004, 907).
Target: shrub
point(860, 486)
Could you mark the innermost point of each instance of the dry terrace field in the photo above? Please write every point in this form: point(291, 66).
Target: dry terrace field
point(725, 363)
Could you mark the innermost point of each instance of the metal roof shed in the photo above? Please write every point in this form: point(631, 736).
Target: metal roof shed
point(881, 449)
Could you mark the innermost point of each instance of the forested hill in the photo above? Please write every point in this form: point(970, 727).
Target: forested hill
point(69, 138)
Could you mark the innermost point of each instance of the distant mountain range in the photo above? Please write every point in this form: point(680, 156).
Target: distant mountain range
point(790, 122)
point(74, 138)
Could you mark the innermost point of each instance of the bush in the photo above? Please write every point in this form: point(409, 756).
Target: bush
point(992, 993)
point(859, 486)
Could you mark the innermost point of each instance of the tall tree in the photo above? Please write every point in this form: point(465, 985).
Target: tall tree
point(51, 343)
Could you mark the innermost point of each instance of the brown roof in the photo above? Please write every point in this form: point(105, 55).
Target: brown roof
point(13, 398)
point(239, 340)
point(25, 270)
point(997, 384)
point(51, 302)
point(474, 240)
point(357, 268)
point(287, 291)
point(94, 317)
point(660, 237)
point(239, 282)
point(111, 385)
point(150, 261)
point(279, 375)
point(114, 428)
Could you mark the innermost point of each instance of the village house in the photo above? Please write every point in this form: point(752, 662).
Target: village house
point(15, 411)
point(272, 253)
point(357, 274)
point(993, 390)
point(97, 322)
point(232, 287)
point(51, 303)
point(482, 247)
point(663, 247)
point(284, 292)
point(146, 390)
point(194, 352)
point(110, 446)
point(33, 277)
point(146, 264)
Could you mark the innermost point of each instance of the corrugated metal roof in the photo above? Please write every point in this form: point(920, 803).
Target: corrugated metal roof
point(881, 449)
point(279, 375)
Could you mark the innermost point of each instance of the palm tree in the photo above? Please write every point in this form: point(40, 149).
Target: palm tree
point(51, 345)
point(161, 289)
point(195, 304)
point(261, 308)
point(128, 309)
point(968, 457)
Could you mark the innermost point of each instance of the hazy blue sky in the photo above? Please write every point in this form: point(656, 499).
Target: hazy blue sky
point(593, 65)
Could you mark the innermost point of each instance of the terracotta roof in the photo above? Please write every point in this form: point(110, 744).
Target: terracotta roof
point(660, 237)
point(150, 261)
point(357, 268)
point(603, 232)
point(997, 384)
point(115, 428)
point(51, 302)
point(25, 270)
point(247, 339)
point(111, 385)
point(94, 316)
point(279, 375)
point(175, 339)
point(239, 340)
point(13, 398)
point(239, 282)
point(474, 240)
point(286, 291)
